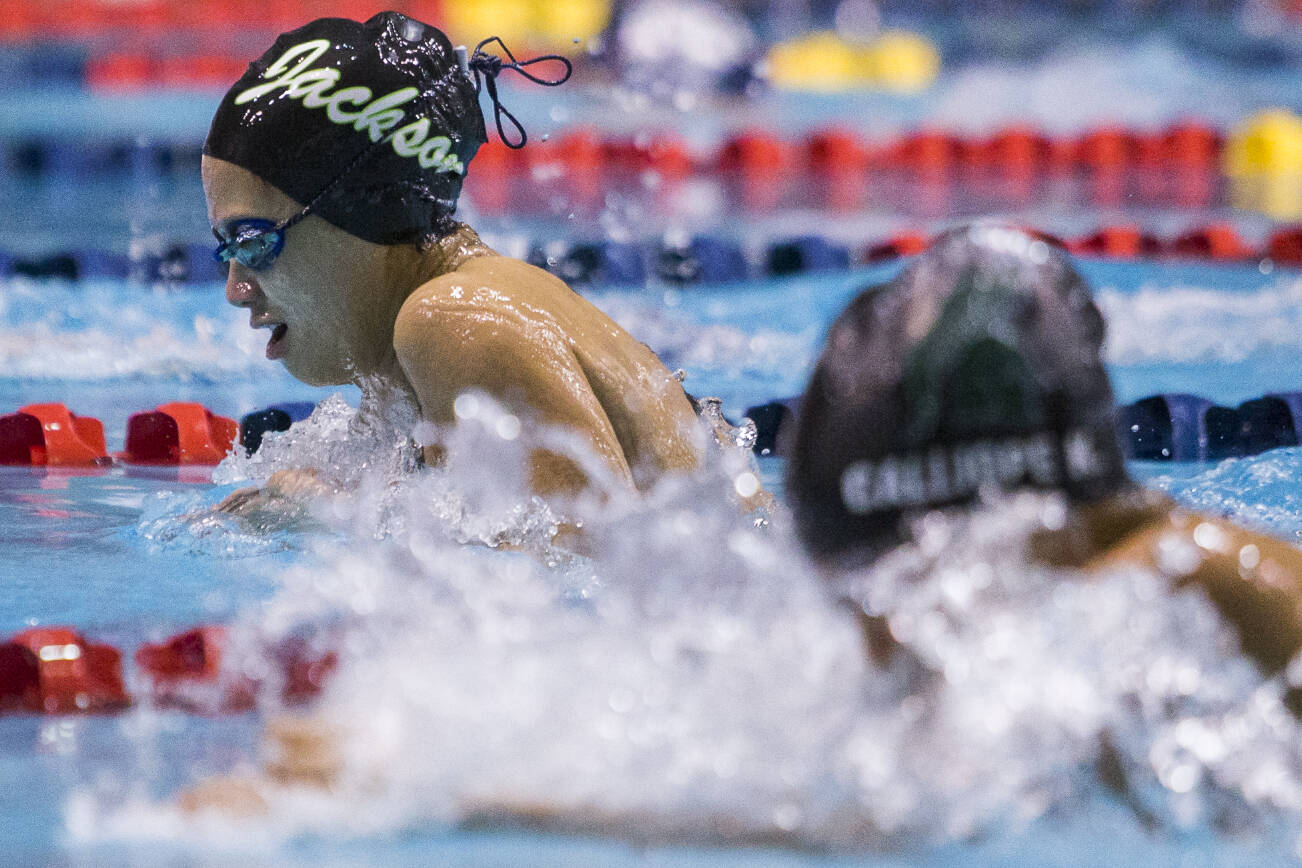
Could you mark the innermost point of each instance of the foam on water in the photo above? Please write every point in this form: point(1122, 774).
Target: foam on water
point(1264, 490)
point(109, 330)
point(60, 332)
point(693, 677)
point(1201, 324)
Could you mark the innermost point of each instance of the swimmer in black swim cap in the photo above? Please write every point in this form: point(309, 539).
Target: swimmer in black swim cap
point(332, 172)
point(979, 367)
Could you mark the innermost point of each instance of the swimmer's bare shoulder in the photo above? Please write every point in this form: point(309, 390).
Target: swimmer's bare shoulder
point(520, 334)
point(480, 328)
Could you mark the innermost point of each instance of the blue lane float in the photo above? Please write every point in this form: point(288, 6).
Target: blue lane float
point(254, 426)
point(94, 264)
point(178, 263)
point(1183, 427)
point(602, 263)
point(703, 259)
point(806, 253)
point(278, 417)
point(76, 158)
point(610, 263)
point(1165, 428)
point(61, 266)
point(1170, 427)
point(297, 411)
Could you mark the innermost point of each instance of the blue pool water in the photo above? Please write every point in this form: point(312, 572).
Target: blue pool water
point(489, 691)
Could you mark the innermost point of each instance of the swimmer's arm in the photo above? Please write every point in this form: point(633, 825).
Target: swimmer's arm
point(445, 350)
point(280, 503)
point(1255, 581)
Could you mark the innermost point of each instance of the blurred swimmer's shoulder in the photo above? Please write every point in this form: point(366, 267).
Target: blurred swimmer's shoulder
point(1253, 579)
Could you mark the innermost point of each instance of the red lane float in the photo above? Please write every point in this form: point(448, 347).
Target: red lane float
point(903, 244)
point(22, 442)
point(115, 72)
point(1285, 246)
point(760, 166)
point(1016, 151)
point(179, 433)
point(839, 161)
point(53, 670)
point(837, 151)
point(1119, 242)
point(1178, 165)
point(666, 156)
point(49, 434)
point(574, 160)
point(928, 152)
point(185, 672)
point(70, 440)
point(1215, 241)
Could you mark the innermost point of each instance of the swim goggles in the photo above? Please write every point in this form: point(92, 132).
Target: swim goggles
point(256, 242)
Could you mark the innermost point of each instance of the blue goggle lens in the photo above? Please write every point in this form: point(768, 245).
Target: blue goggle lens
point(256, 244)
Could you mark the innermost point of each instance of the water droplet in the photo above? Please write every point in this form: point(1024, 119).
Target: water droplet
point(508, 427)
point(466, 406)
point(746, 484)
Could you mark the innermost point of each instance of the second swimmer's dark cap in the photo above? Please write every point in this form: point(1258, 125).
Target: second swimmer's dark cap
point(979, 365)
point(383, 108)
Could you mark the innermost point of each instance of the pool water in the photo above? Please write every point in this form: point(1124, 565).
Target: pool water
point(690, 694)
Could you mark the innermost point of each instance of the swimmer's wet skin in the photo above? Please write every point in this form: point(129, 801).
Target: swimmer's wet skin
point(332, 171)
point(980, 368)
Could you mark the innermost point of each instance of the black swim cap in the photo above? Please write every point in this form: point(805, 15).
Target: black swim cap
point(387, 101)
point(978, 365)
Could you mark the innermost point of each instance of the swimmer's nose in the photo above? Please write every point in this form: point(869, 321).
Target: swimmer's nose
point(241, 291)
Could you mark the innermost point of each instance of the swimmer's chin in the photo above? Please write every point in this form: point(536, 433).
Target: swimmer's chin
point(317, 376)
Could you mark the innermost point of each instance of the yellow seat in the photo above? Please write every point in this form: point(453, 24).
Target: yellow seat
point(469, 21)
point(560, 22)
point(824, 62)
point(903, 62)
point(1267, 143)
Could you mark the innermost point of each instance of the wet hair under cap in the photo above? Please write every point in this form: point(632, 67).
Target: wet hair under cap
point(978, 365)
point(383, 111)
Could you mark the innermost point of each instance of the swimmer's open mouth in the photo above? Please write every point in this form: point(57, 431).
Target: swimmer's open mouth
point(276, 346)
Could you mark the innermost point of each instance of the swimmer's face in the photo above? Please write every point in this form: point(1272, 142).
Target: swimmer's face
point(318, 296)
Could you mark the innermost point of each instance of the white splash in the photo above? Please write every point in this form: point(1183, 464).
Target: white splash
point(694, 678)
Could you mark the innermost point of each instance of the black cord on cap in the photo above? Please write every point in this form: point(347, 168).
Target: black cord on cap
point(489, 66)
